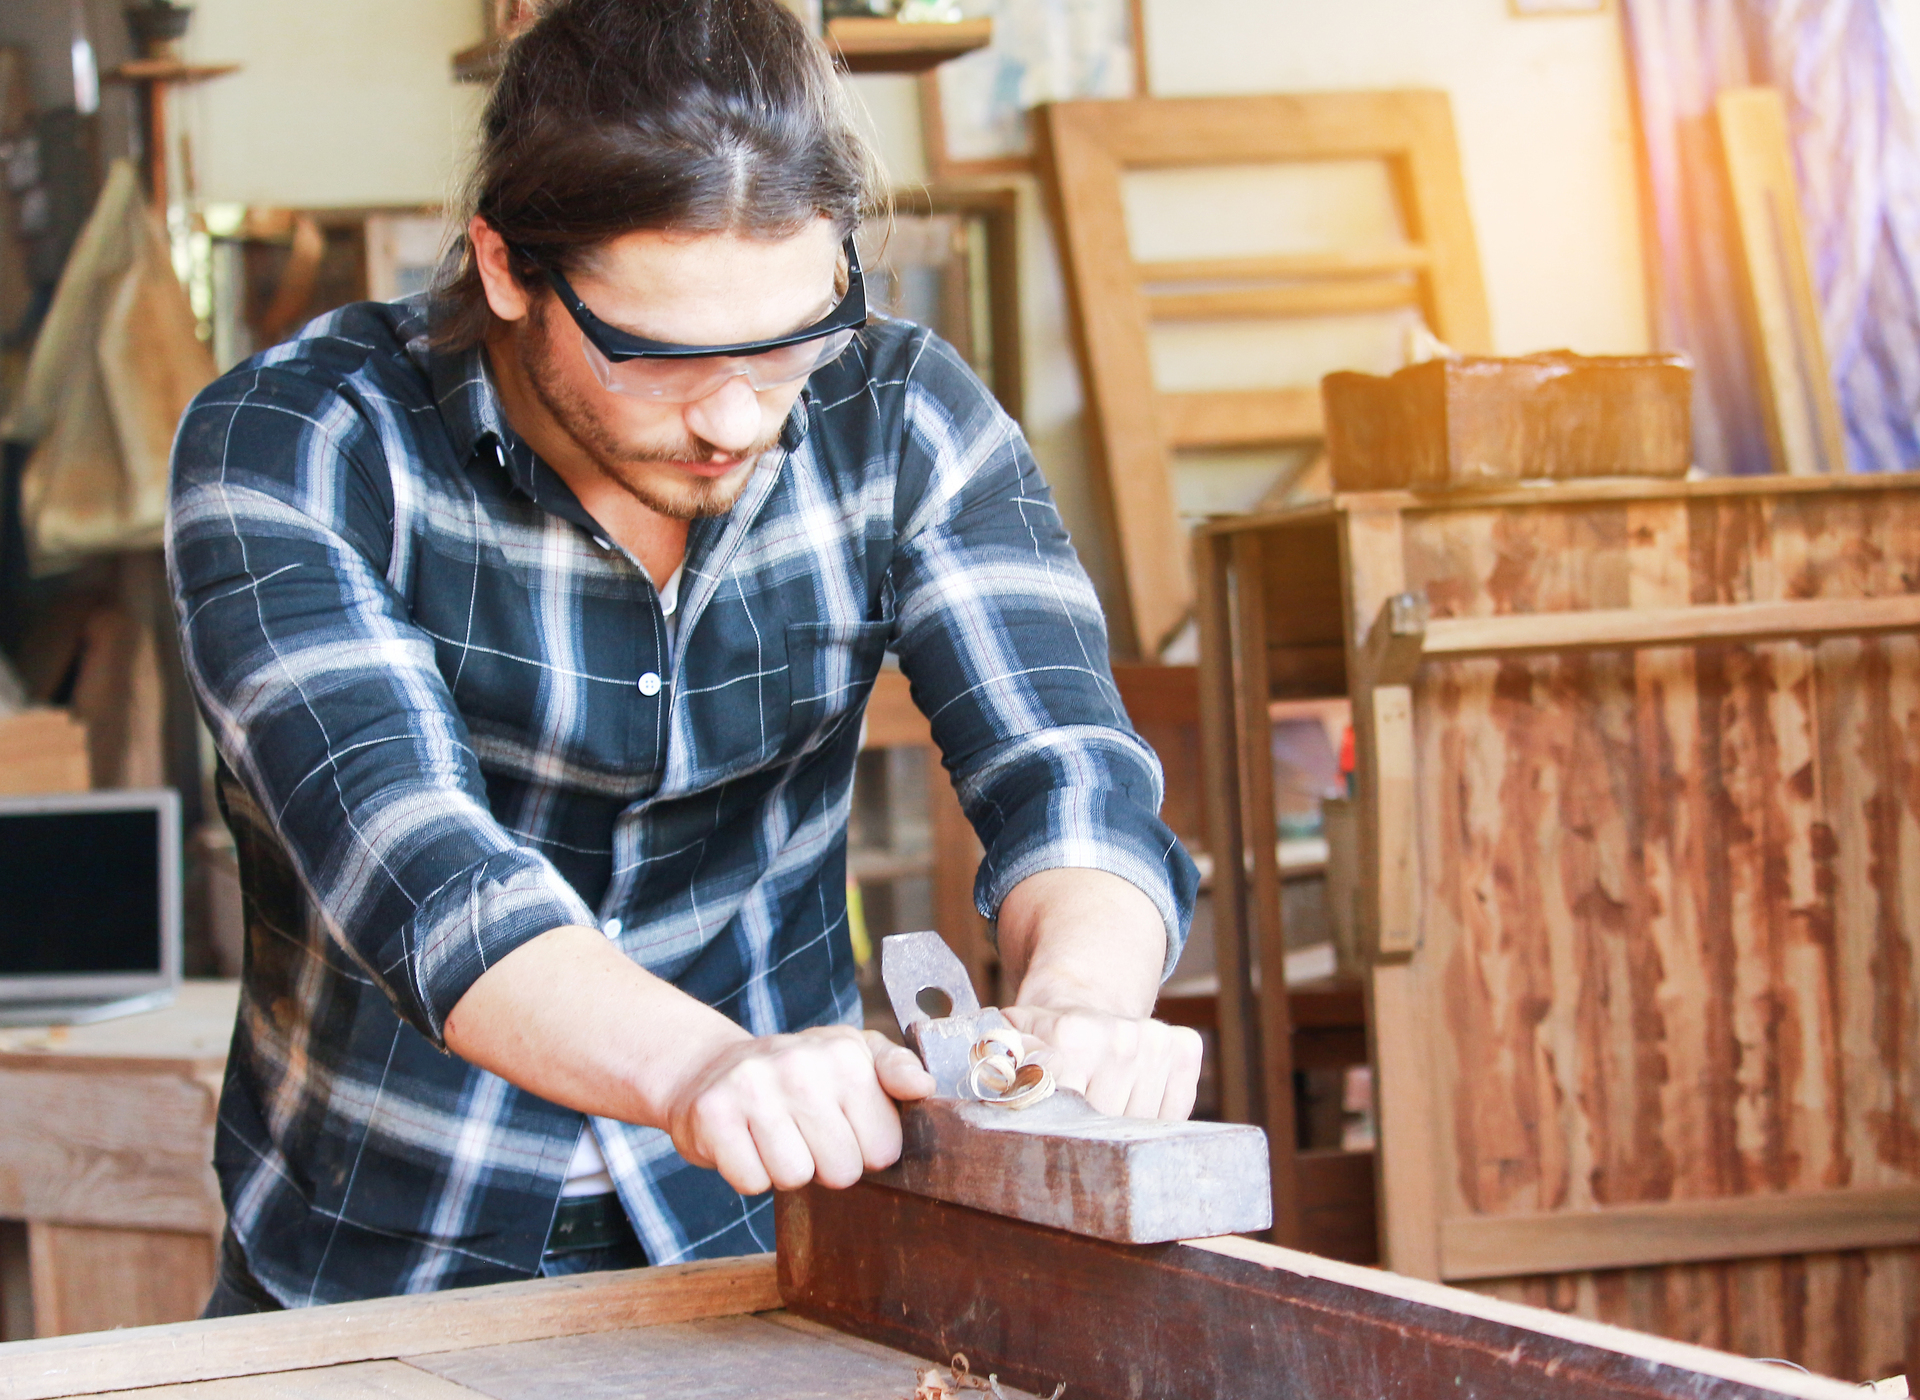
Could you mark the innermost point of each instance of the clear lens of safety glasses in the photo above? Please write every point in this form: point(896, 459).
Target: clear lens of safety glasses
point(686, 380)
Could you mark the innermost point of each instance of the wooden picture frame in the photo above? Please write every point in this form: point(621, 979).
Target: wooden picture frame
point(993, 349)
point(943, 166)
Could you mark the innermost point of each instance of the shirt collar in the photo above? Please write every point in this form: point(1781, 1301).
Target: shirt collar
point(476, 424)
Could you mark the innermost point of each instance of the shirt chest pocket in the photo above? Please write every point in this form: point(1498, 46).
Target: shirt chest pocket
point(830, 669)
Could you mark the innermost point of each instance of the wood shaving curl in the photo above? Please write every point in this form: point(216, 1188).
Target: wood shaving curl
point(1003, 1074)
point(933, 1386)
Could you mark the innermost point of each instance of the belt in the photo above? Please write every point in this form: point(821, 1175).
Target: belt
point(589, 1222)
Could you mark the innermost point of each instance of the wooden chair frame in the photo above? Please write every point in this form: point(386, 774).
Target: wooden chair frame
point(1087, 148)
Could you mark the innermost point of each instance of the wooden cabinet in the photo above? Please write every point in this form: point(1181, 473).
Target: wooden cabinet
point(106, 1152)
point(1639, 827)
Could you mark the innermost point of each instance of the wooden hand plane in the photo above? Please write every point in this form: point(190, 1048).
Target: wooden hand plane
point(1059, 1162)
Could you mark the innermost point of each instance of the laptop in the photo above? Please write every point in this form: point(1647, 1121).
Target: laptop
point(89, 905)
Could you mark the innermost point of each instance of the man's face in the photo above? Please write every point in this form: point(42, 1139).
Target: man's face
point(683, 460)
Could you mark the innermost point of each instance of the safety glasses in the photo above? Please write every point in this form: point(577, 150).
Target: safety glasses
point(652, 369)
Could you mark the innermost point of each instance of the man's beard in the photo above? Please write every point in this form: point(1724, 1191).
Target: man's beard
point(680, 496)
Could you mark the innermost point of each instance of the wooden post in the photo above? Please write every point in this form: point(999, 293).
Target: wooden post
point(1260, 837)
point(1239, 1012)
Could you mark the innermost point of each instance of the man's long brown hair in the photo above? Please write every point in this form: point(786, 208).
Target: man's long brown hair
point(609, 116)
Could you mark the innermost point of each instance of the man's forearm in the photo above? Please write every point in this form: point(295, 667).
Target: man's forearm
point(1082, 938)
point(567, 1016)
point(1085, 950)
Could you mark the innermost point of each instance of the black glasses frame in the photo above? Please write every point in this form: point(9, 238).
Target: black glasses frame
point(618, 346)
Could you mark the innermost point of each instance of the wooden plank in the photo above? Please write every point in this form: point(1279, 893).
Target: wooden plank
point(1347, 297)
point(1672, 1232)
point(188, 1038)
point(748, 1358)
point(1561, 495)
point(1333, 263)
point(1110, 326)
point(382, 1329)
point(43, 750)
point(1706, 624)
point(1061, 1164)
point(1395, 885)
point(865, 45)
point(1239, 1010)
point(1266, 926)
point(132, 1151)
point(1805, 431)
point(908, 1272)
point(1241, 417)
point(367, 1380)
point(1434, 207)
point(1373, 568)
point(88, 1279)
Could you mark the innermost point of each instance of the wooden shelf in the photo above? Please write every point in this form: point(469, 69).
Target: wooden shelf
point(859, 45)
point(888, 46)
point(167, 70)
point(480, 63)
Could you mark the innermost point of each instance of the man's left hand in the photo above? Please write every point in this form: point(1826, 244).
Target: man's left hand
point(1086, 950)
point(1134, 1066)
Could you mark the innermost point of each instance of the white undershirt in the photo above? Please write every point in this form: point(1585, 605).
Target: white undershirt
point(587, 1173)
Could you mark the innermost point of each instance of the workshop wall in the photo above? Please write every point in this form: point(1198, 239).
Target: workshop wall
point(1546, 131)
point(346, 103)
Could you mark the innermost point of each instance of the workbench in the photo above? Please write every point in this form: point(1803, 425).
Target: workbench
point(106, 1153)
point(871, 1286)
point(1638, 823)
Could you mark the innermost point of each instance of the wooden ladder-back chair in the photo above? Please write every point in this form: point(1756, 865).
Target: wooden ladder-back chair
point(1088, 148)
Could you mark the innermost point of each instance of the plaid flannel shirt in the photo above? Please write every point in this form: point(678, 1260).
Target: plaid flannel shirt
point(449, 719)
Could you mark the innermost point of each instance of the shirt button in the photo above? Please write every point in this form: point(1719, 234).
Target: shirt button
point(611, 928)
point(650, 685)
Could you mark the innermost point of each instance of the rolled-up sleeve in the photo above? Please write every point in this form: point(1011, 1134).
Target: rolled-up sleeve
point(1002, 638)
point(326, 702)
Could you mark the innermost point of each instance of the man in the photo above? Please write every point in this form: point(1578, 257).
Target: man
point(534, 635)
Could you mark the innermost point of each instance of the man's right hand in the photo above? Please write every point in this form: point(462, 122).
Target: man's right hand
point(569, 1017)
point(783, 1110)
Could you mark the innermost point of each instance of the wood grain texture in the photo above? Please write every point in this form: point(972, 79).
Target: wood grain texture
point(131, 1150)
point(1799, 619)
point(1061, 1164)
point(1668, 898)
point(1222, 1313)
point(750, 1358)
point(89, 1279)
point(367, 1380)
point(1663, 1232)
point(382, 1329)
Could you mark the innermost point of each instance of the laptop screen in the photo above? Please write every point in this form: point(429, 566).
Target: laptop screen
point(82, 893)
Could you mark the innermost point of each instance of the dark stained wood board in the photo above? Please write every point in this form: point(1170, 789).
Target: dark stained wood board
point(1208, 1319)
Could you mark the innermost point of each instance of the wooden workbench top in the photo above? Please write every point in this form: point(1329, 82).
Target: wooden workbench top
point(190, 1036)
point(685, 1332)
